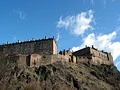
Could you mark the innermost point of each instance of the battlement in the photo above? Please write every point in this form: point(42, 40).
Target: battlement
point(28, 41)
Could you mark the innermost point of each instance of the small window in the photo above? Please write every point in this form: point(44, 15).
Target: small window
point(34, 62)
point(99, 54)
point(44, 57)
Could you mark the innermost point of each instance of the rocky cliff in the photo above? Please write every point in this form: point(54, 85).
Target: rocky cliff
point(58, 76)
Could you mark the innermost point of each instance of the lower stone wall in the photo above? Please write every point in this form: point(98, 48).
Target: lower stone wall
point(82, 59)
point(22, 59)
point(94, 60)
point(37, 60)
point(60, 58)
point(19, 59)
point(46, 59)
point(98, 61)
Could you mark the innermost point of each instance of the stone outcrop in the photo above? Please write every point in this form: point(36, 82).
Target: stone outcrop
point(59, 75)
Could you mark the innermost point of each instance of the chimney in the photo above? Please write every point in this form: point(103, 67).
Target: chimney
point(92, 46)
point(28, 39)
point(53, 37)
point(33, 39)
point(18, 41)
point(45, 37)
point(63, 51)
point(7, 42)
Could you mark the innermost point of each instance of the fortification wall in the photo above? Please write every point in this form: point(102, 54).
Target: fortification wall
point(36, 59)
point(44, 46)
point(95, 56)
point(100, 57)
point(82, 59)
point(19, 59)
point(55, 47)
point(22, 59)
point(99, 54)
point(110, 58)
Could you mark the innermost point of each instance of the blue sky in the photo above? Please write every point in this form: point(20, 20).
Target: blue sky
point(74, 23)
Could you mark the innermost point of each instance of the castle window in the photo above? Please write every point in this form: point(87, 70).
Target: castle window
point(99, 54)
point(34, 62)
point(104, 56)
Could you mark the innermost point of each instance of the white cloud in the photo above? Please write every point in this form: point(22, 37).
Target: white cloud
point(102, 42)
point(77, 24)
point(58, 36)
point(104, 2)
point(20, 13)
point(117, 64)
point(92, 1)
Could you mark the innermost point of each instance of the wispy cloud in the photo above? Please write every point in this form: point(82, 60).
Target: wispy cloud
point(20, 14)
point(102, 42)
point(114, 0)
point(118, 63)
point(118, 21)
point(58, 36)
point(77, 24)
point(104, 2)
point(92, 1)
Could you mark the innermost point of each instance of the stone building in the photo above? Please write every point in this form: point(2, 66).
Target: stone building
point(42, 46)
point(94, 56)
point(34, 53)
point(68, 54)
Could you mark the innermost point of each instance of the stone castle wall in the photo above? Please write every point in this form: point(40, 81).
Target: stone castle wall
point(37, 60)
point(95, 56)
point(44, 46)
point(44, 51)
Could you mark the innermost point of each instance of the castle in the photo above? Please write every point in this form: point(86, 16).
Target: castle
point(34, 53)
point(41, 46)
point(94, 56)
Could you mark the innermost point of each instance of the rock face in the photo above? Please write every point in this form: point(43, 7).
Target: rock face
point(58, 76)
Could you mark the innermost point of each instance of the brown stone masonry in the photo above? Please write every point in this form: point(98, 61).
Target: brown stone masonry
point(95, 56)
point(43, 46)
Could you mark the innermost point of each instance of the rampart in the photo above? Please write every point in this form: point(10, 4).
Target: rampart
point(35, 60)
